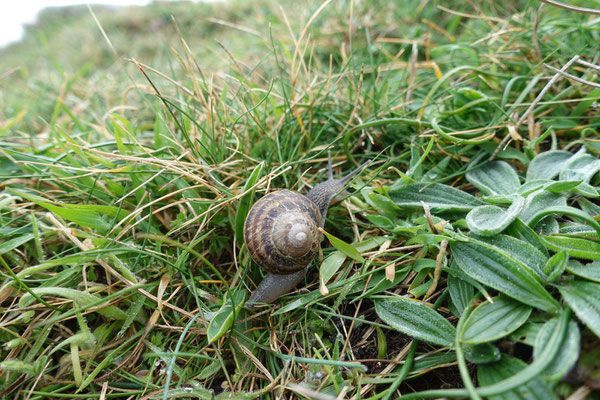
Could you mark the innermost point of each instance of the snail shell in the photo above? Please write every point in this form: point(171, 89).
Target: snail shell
point(281, 232)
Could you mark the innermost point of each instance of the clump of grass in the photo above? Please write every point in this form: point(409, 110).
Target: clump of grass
point(122, 263)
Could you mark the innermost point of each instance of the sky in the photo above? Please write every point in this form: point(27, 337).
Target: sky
point(15, 13)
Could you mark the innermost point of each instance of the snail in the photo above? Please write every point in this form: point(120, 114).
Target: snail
point(281, 233)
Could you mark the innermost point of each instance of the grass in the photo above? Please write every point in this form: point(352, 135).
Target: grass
point(129, 161)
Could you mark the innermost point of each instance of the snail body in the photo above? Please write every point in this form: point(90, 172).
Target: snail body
point(281, 233)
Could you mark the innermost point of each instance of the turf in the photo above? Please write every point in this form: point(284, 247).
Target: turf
point(134, 140)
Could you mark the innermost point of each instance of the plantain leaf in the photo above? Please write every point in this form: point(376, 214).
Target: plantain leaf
point(584, 299)
point(585, 189)
point(494, 178)
point(415, 319)
point(481, 353)
point(533, 186)
point(547, 165)
point(537, 202)
point(561, 186)
point(565, 210)
point(526, 334)
point(568, 352)
point(383, 204)
point(574, 247)
point(492, 321)
point(493, 267)
point(330, 266)
point(580, 167)
point(461, 292)
point(555, 266)
point(529, 255)
point(223, 319)
point(523, 232)
point(589, 271)
point(589, 207)
point(436, 196)
point(346, 248)
point(491, 220)
point(336, 259)
point(535, 389)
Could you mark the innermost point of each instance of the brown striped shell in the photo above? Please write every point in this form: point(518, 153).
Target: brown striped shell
point(281, 232)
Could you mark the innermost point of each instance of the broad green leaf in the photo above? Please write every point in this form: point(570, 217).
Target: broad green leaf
point(415, 319)
point(584, 299)
point(535, 389)
point(547, 165)
point(81, 298)
point(461, 292)
point(493, 178)
point(574, 247)
point(523, 251)
point(492, 321)
point(533, 186)
point(481, 353)
point(14, 243)
point(581, 167)
point(567, 354)
point(336, 259)
point(522, 231)
point(565, 210)
point(443, 198)
point(589, 271)
point(330, 266)
point(501, 199)
point(223, 319)
point(245, 203)
point(585, 189)
point(547, 226)
point(383, 222)
point(562, 186)
point(526, 334)
point(383, 204)
point(492, 267)
point(508, 153)
point(347, 249)
point(537, 202)
point(577, 229)
point(437, 171)
point(555, 266)
point(491, 220)
point(588, 206)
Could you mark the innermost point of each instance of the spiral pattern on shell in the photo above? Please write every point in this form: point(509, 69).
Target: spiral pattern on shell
point(281, 232)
